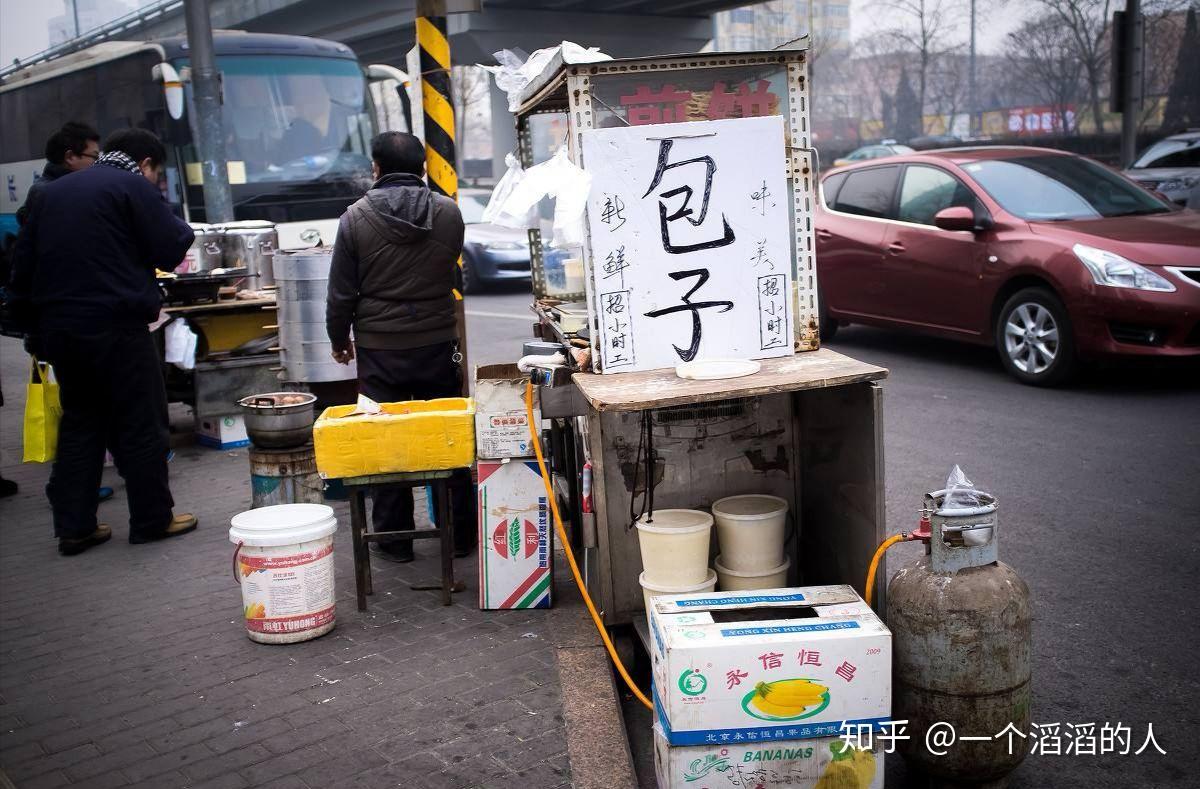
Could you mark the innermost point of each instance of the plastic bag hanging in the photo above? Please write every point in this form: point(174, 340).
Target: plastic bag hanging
point(499, 211)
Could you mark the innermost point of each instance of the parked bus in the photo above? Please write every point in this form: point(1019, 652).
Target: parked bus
point(298, 120)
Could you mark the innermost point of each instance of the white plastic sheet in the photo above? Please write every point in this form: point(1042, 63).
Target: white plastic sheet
point(179, 345)
point(513, 76)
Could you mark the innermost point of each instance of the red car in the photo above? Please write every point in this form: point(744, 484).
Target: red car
point(1051, 257)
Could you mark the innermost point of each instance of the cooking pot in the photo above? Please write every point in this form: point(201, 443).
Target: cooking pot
point(279, 420)
point(251, 245)
point(206, 252)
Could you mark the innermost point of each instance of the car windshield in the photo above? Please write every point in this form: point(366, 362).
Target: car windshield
point(1054, 188)
point(293, 119)
point(1171, 153)
point(471, 205)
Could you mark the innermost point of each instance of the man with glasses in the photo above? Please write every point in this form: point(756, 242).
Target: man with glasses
point(85, 262)
point(72, 148)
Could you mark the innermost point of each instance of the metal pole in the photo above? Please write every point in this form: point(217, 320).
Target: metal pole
point(1131, 109)
point(434, 48)
point(75, 14)
point(206, 101)
point(972, 100)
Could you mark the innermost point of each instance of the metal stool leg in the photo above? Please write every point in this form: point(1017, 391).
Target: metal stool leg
point(442, 494)
point(362, 561)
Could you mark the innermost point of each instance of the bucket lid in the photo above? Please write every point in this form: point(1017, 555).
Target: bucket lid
point(282, 524)
point(787, 562)
point(749, 506)
point(676, 522)
point(703, 586)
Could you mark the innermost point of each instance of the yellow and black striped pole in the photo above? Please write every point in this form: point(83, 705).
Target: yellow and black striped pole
point(434, 50)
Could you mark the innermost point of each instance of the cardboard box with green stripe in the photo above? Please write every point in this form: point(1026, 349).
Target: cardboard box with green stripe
point(515, 540)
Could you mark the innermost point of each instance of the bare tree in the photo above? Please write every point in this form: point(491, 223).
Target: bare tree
point(1042, 59)
point(1088, 23)
point(468, 87)
point(1165, 22)
point(924, 31)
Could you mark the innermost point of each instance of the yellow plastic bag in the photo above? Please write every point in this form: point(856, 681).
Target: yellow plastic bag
point(43, 412)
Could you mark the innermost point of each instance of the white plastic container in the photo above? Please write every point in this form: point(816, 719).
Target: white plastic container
point(750, 531)
point(284, 563)
point(651, 590)
point(675, 546)
point(738, 581)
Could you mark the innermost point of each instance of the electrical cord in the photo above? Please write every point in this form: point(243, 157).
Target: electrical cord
point(566, 544)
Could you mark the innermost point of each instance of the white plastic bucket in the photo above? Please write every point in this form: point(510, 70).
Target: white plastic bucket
point(737, 581)
point(284, 564)
point(652, 590)
point(750, 531)
point(675, 546)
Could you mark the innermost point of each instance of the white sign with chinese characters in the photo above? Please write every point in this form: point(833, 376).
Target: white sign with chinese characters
point(690, 242)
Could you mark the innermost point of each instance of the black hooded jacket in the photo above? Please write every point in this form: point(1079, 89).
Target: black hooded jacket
point(393, 269)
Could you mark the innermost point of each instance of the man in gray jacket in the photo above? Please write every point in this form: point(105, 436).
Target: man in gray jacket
point(394, 268)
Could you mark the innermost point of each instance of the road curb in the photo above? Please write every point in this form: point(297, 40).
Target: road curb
point(597, 744)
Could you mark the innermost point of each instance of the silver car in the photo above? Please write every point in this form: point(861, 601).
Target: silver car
point(1171, 167)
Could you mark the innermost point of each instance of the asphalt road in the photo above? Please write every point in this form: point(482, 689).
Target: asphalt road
point(1099, 491)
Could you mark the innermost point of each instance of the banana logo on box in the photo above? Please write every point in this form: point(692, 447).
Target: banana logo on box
point(786, 700)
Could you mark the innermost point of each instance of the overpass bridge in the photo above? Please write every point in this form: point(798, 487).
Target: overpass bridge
point(382, 31)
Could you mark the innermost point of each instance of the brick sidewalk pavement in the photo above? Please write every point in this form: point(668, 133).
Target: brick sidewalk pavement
point(129, 665)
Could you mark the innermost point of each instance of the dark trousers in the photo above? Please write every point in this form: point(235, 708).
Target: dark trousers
point(112, 391)
point(424, 373)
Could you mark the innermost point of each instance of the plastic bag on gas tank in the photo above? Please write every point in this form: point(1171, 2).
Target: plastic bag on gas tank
point(961, 492)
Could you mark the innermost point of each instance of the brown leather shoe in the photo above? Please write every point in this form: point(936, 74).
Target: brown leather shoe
point(71, 547)
point(179, 525)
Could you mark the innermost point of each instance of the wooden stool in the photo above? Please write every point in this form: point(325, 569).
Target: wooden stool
point(358, 487)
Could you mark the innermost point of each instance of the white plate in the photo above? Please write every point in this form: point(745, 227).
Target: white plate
point(716, 369)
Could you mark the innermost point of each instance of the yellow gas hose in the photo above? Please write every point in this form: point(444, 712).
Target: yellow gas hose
point(869, 586)
point(566, 544)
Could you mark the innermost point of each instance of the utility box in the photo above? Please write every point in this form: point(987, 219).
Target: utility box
point(501, 422)
point(781, 664)
point(515, 542)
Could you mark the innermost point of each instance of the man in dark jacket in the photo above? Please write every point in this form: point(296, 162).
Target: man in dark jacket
point(392, 279)
point(85, 261)
point(74, 147)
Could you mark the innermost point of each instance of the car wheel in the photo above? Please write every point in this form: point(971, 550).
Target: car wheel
point(1033, 336)
point(470, 279)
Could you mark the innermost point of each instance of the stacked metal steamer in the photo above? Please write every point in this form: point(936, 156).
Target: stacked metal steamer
point(301, 282)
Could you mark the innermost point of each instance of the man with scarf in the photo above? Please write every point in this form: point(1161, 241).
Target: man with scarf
point(393, 271)
point(84, 263)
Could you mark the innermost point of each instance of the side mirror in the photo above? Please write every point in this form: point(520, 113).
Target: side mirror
point(166, 75)
point(955, 218)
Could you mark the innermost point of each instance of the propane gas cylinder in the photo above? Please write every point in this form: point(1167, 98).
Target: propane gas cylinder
point(961, 636)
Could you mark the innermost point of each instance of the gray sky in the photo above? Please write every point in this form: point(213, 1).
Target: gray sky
point(23, 23)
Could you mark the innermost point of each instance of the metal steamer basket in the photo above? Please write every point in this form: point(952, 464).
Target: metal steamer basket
point(301, 280)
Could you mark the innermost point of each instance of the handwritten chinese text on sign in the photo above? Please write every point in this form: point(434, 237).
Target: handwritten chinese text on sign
point(690, 241)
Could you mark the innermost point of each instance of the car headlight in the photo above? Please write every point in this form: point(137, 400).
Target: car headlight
point(1179, 184)
point(503, 246)
point(1109, 268)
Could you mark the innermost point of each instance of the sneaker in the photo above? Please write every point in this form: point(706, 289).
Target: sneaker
point(179, 525)
point(72, 546)
point(105, 493)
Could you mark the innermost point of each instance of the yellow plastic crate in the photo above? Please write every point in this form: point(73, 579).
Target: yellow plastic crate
point(421, 435)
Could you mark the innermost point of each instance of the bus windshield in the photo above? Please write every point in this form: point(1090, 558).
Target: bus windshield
point(290, 119)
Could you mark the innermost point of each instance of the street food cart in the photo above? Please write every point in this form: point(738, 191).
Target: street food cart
point(626, 432)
